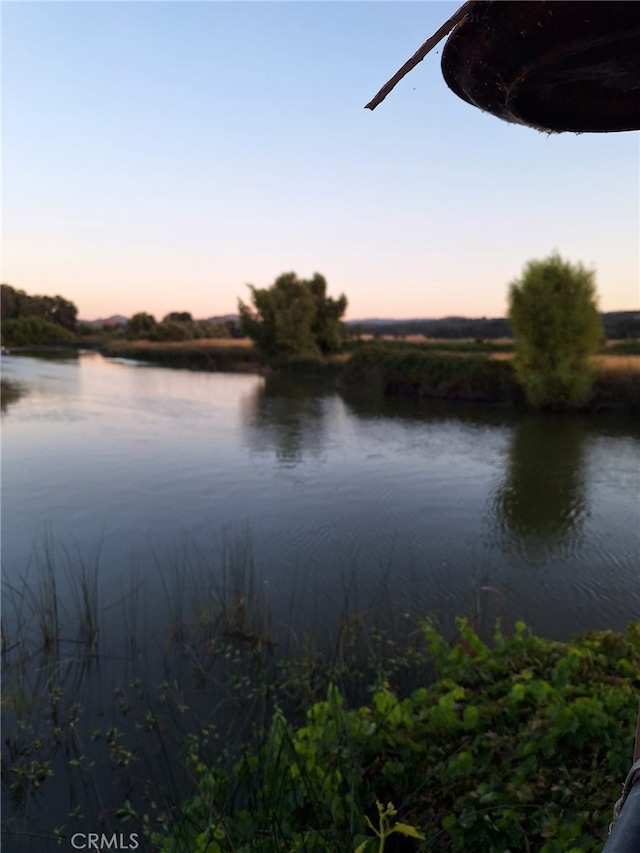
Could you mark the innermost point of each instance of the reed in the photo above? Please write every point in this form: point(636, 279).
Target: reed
point(218, 354)
point(416, 371)
point(112, 695)
point(206, 719)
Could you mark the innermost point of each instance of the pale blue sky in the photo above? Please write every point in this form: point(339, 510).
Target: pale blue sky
point(160, 156)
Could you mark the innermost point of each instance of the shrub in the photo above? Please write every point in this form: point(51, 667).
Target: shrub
point(518, 747)
point(33, 331)
point(409, 369)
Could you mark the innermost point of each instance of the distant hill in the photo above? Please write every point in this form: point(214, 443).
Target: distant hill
point(114, 320)
point(617, 325)
point(223, 318)
point(445, 327)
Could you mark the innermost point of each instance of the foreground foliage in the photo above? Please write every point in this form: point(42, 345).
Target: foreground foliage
point(517, 747)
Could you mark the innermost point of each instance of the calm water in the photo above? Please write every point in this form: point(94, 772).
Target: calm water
point(450, 509)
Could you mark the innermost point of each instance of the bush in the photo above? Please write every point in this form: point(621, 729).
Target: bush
point(33, 331)
point(410, 369)
point(519, 747)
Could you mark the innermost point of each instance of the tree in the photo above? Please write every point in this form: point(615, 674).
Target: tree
point(9, 302)
point(327, 328)
point(294, 317)
point(53, 309)
point(172, 330)
point(141, 325)
point(178, 317)
point(557, 328)
point(33, 331)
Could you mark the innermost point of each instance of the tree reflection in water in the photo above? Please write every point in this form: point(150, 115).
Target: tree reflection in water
point(540, 505)
point(288, 418)
point(10, 392)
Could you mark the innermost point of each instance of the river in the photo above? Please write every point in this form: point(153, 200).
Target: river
point(452, 509)
point(142, 505)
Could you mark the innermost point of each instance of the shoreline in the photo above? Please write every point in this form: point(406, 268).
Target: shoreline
point(475, 372)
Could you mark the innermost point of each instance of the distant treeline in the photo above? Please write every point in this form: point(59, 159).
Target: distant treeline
point(53, 309)
point(175, 326)
point(617, 325)
point(35, 320)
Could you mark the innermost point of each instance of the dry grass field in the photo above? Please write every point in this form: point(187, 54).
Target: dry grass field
point(617, 365)
point(198, 343)
point(613, 364)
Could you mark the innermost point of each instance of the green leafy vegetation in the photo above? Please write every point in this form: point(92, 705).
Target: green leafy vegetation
point(16, 304)
point(239, 741)
point(176, 326)
point(294, 318)
point(519, 746)
point(557, 328)
point(34, 331)
point(418, 371)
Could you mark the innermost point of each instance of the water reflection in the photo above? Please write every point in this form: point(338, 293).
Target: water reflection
point(288, 418)
point(10, 392)
point(371, 405)
point(540, 506)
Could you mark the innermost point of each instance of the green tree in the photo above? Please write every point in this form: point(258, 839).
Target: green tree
point(9, 301)
point(33, 331)
point(204, 329)
point(178, 317)
point(294, 317)
point(60, 311)
point(171, 330)
point(327, 328)
point(141, 325)
point(53, 309)
point(557, 328)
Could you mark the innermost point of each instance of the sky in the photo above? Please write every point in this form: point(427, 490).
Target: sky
point(161, 156)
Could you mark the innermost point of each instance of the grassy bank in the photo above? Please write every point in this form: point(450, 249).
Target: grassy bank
point(217, 731)
point(222, 354)
point(454, 370)
point(484, 376)
point(417, 370)
point(616, 382)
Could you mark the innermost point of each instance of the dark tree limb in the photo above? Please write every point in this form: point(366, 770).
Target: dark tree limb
point(420, 54)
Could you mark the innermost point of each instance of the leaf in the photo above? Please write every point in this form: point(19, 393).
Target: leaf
point(406, 829)
point(362, 847)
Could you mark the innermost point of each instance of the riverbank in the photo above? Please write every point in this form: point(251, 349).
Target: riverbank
point(238, 739)
point(226, 354)
point(420, 370)
point(471, 371)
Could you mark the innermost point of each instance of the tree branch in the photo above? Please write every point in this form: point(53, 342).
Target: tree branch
point(420, 54)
